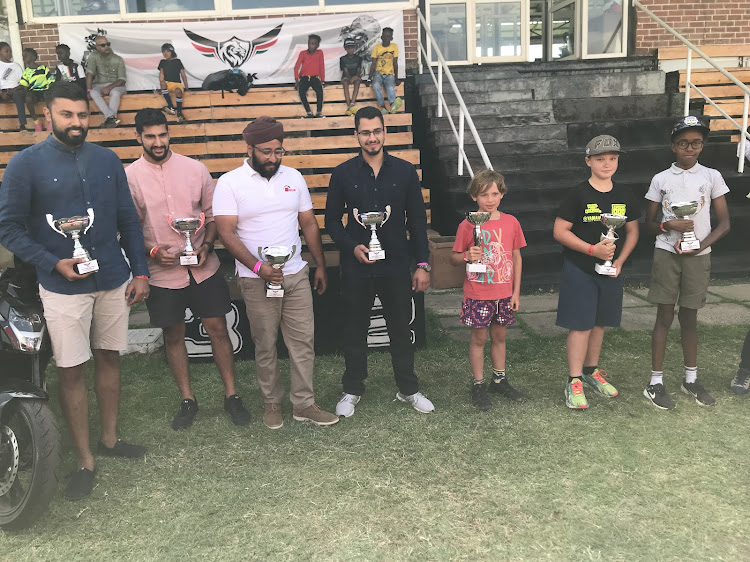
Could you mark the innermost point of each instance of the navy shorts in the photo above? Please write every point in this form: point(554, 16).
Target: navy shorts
point(209, 299)
point(588, 300)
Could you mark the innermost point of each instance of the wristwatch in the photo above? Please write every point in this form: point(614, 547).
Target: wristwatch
point(425, 266)
point(210, 246)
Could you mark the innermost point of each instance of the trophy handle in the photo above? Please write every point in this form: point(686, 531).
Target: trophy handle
point(169, 222)
point(203, 221)
point(294, 251)
point(260, 253)
point(355, 213)
point(51, 223)
point(387, 215)
point(90, 213)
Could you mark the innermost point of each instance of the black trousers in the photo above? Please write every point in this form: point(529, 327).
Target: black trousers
point(745, 357)
point(358, 296)
point(19, 98)
point(307, 82)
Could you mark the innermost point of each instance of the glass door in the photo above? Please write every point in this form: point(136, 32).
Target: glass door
point(500, 31)
point(603, 34)
point(562, 30)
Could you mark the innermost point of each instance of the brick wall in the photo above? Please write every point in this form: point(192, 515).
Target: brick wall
point(704, 22)
point(45, 37)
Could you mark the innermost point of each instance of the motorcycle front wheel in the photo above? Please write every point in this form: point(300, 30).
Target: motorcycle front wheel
point(29, 462)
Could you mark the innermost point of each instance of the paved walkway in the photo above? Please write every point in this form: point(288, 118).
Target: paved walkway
point(726, 305)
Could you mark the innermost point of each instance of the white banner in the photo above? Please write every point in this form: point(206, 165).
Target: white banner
point(264, 48)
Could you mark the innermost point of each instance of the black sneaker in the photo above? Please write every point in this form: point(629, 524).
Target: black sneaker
point(180, 117)
point(503, 388)
point(741, 381)
point(696, 390)
point(480, 398)
point(81, 484)
point(658, 396)
point(186, 415)
point(122, 449)
point(238, 413)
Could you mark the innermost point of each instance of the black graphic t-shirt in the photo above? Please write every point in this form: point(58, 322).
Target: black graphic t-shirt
point(352, 63)
point(583, 206)
point(171, 68)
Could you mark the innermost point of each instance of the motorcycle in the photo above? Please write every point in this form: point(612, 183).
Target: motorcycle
point(30, 452)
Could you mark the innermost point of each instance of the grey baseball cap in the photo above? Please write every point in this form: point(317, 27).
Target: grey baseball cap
point(602, 144)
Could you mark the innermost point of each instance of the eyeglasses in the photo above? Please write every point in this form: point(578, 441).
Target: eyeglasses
point(279, 152)
point(683, 144)
point(366, 134)
point(103, 44)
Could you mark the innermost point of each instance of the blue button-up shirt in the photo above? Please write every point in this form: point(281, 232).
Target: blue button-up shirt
point(50, 177)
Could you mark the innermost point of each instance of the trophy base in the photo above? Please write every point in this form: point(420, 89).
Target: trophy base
point(688, 245)
point(602, 269)
point(189, 260)
point(87, 267)
point(375, 255)
point(274, 292)
point(476, 268)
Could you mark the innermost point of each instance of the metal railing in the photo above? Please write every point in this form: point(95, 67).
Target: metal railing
point(464, 118)
point(744, 136)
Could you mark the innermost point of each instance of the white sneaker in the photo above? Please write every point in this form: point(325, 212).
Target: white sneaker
point(418, 401)
point(345, 407)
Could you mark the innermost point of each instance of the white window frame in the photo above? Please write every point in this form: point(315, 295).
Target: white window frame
point(525, 32)
point(585, 33)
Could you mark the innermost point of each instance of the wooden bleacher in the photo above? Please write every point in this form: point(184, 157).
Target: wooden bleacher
point(728, 96)
point(213, 132)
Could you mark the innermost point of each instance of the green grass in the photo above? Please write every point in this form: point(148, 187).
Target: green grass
point(532, 481)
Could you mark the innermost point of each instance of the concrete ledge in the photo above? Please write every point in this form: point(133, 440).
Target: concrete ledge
point(144, 340)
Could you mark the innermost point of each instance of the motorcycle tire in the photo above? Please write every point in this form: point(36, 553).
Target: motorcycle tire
point(30, 458)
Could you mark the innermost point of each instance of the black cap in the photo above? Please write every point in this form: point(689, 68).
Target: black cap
point(167, 47)
point(349, 42)
point(689, 122)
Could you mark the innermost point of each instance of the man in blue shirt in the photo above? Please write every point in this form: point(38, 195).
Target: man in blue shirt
point(86, 313)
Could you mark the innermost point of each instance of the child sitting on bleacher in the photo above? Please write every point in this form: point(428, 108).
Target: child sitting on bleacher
point(172, 76)
point(36, 80)
point(351, 67)
point(10, 75)
point(310, 72)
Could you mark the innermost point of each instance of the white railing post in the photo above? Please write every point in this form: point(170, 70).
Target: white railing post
point(461, 151)
point(743, 135)
point(440, 91)
point(688, 70)
point(419, 42)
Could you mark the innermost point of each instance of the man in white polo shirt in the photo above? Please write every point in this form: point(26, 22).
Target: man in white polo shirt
point(259, 204)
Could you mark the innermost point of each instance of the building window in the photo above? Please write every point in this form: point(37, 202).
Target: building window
point(448, 25)
point(251, 4)
point(53, 8)
point(158, 6)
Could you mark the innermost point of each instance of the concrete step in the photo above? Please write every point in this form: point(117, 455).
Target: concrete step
point(511, 108)
point(484, 122)
point(477, 97)
point(537, 137)
point(617, 107)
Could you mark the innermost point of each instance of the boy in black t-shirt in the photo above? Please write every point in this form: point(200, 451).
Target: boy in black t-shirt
point(171, 78)
point(589, 301)
point(351, 67)
point(69, 70)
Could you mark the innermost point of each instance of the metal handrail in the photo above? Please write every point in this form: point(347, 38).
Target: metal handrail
point(464, 117)
point(744, 136)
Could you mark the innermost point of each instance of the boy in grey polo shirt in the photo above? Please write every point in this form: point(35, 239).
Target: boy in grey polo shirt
point(681, 276)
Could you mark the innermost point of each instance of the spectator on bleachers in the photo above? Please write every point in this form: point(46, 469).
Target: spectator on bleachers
point(351, 67)
point(105, 76)
point(69, 70)
point(10, 76)
point(384, 72)
point(310, 72)
point(172, 76)
point(36, 80)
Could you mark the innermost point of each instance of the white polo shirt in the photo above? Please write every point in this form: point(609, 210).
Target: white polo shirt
point(675, 185)
point(266, 210)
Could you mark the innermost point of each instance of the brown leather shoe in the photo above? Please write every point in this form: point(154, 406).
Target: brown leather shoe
point(315, 414)
point(272, 416)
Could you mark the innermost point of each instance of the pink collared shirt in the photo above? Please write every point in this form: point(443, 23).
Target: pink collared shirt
point(181, 187)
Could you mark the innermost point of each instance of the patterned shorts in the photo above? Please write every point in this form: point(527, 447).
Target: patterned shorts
point(480, 314)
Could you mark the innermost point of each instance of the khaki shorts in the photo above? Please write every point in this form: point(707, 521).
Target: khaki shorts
point(679, 279)
point(79, 323)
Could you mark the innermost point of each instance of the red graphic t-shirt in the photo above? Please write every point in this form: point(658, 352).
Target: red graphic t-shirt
point(499, 238)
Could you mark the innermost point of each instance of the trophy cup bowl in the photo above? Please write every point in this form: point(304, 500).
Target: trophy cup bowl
point(75, 226)
point(612, 222)
point(373, 219)
point(275, 256)
point(477, 218)
point(187, 226)
point(685, 210)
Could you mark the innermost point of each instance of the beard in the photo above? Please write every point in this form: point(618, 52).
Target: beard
point(63, 135)
point(267, 170)
point(372, 151)
point(157, 157)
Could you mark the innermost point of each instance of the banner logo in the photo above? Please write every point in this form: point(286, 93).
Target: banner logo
point(235, 52)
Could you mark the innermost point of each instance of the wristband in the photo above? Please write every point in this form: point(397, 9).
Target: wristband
point(88, 90)
point(257, 266)
point(141, 277)
point(153, 251)
point(422, 263)
point(661, 227)
point(591, 249)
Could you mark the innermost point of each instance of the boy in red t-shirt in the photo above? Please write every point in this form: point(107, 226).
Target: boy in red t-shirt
point(310, 72)
point(490, 298)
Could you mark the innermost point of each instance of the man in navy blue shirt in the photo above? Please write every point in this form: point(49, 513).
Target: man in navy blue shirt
point(86, 313)
point(370, 182)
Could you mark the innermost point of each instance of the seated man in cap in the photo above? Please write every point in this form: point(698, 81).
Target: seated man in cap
point(260, 204)
point(351, 67)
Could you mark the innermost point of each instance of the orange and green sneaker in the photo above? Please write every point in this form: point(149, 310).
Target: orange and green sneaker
point(574, 396)
point(597, 381)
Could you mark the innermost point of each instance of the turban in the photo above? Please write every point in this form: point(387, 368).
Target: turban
point(263, 129)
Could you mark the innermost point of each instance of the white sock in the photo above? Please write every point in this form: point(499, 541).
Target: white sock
point(691, 374)
point(657, 377)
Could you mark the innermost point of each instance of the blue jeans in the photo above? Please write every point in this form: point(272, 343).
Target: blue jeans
point(387, 80)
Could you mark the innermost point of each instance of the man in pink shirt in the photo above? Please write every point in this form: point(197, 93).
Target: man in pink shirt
point(310, 72)
point(165, 184)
